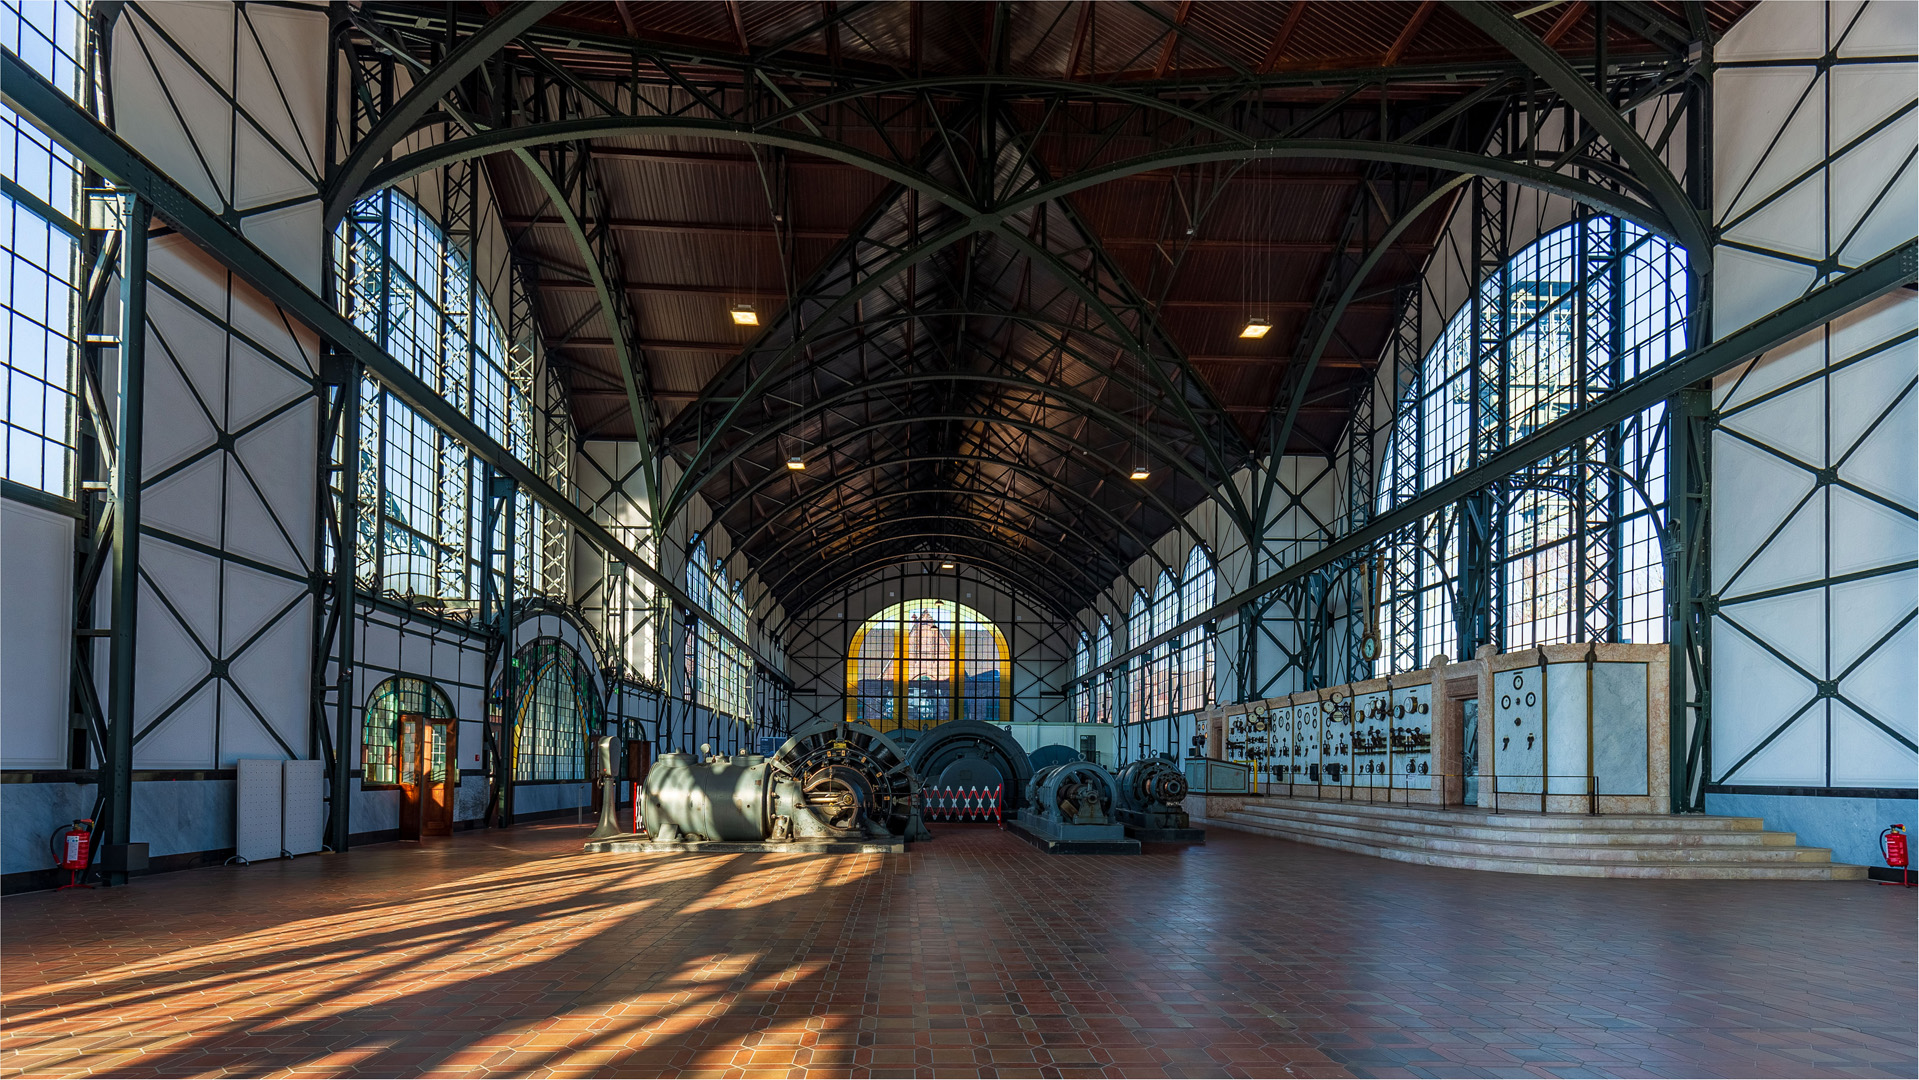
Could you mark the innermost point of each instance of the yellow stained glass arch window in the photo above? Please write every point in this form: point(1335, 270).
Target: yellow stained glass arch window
point(924, 662)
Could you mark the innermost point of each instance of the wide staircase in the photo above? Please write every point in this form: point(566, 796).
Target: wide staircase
point(1611, 845)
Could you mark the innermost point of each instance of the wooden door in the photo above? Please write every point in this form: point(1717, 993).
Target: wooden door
point(438, 767)
point(427, 771)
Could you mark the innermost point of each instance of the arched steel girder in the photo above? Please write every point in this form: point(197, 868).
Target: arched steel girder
point(612, 301)
point(995, 220)
point(872, 498)
point(1057, 333)
point(1054, 601)
point(1306, 365)
point(435, 83)
point(1009, 581)
point(1052, 587)
point(1586, 100)
point(1030, 428)
point(1688, 233)
point(1086, 407)
point(1054, 483)
point(865, 536)
point(872, 532)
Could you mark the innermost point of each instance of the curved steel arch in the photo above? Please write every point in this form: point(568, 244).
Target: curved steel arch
point(872, 497)
point(1053, 482)
point(981, 219)
point(1031, 582)
point(865, 535)
point(994, 220)
point(1083, 406)
point(1003, 421)
point(866, 541)
point(1011, 583)
point(1044, 326)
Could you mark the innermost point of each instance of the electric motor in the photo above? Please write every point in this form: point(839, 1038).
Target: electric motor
point(1076, 793)
point(1152, 784)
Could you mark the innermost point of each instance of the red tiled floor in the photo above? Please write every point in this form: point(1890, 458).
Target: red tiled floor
point(514, 954)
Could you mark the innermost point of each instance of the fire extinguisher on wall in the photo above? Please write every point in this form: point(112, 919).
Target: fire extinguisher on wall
point(72, 846)
point(1893, 843)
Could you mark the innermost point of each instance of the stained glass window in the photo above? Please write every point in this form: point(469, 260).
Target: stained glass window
point(924, 662)
point(557, 709)
point(402, 695)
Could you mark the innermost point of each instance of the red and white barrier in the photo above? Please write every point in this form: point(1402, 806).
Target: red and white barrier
point(963, 804)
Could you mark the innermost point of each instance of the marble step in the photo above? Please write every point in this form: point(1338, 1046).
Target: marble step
point(1635, 848)
point(1541, 859)
point(1516, 819)
point(1579, 830)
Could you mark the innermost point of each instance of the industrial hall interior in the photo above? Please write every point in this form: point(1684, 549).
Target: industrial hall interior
point(1041, 538)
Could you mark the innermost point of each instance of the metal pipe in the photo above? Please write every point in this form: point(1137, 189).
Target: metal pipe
point(127, 475)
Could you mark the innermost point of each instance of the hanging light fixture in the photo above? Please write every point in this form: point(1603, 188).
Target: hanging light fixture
point(744, 315)
point(1140, 472)
point(1256, 328)
point(946, 566)
point(796, 463)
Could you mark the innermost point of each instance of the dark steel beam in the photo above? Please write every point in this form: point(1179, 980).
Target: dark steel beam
point(1059, 601)
point(25, 92)
point(1147, 494)
point(1239, 147)
point(128, 476)
point(1083, 406)
point(343, 188)
point(1042, 476)
point(871, 498)
point(1894, 269)
point(1009, 582)
point(1688, 226)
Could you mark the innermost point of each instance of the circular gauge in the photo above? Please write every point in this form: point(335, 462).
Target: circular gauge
point(1369, 646)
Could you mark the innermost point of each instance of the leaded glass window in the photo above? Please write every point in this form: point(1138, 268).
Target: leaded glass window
point(924, 662)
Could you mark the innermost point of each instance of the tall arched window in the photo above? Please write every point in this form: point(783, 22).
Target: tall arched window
point(1195, 678)
point(1575, 549)
point(1139, 629)
point(558, 708)
point(1082, 663)
point(924, 662)
point(719, 673)
point(416, 292)
point(1102, 689)
point(401, 695)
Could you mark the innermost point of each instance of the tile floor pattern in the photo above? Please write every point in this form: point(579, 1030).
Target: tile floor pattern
point(514, 954)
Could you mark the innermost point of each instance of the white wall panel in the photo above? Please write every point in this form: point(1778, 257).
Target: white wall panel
point(1814, 503)
point(36, 635)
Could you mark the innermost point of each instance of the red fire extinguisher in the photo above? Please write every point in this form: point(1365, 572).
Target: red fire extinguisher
point(71, 847)
point(1893, 842)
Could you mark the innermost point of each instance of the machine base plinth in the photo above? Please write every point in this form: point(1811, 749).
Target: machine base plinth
point(1149, 835)
point(630, 844)
point(1064, 846)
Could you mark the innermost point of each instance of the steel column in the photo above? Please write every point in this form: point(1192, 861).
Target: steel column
point(127, 475)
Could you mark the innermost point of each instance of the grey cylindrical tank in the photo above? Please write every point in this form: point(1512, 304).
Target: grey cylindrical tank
point(724, 799)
